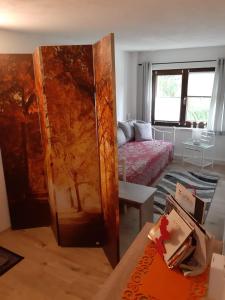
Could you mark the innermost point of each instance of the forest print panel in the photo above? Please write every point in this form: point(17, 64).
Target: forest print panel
point(104, 67)
point(64, 77)
point(20, 143)
point(45, 139)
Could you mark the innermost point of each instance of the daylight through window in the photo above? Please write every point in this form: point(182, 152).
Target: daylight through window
point(182, 96)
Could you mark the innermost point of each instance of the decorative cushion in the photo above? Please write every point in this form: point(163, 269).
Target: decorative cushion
point(128, 129)
point(121, 139)
point(143, 131)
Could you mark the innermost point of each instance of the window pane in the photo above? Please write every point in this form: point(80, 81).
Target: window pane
point(169, 86)
point(167, 109)
point(197, 109)
point(200, 83)
point(168, 98)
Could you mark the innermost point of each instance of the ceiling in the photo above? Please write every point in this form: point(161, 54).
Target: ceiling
point(137, 24)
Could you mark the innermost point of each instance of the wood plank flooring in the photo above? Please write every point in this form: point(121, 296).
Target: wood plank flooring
point(49, 271)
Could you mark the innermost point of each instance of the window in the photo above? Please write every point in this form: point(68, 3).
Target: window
point(181, 96)
point(199, 93)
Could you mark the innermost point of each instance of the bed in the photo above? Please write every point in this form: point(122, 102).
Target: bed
point(142, 162)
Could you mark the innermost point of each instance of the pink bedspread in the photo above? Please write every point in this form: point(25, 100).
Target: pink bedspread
point(144, 160)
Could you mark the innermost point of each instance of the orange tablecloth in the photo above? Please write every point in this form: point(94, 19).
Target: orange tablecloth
point(153, 280)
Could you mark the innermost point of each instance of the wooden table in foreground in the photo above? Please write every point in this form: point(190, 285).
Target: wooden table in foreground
point(115, 284)
point(117, 281)
point(140, 197)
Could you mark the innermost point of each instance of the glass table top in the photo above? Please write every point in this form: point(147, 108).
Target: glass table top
point(199, 145)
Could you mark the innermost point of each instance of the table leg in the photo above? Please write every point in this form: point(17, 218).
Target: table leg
point(140, 218)
point(203, 160)
point(212, 155)
point(183, 154)
point(146, 212)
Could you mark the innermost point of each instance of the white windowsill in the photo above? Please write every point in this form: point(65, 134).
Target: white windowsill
point(177, 128)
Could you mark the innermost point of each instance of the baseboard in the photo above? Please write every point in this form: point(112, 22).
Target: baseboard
point(216, 161)
point(5, 229)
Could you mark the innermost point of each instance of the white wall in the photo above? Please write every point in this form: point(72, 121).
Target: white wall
point(4, 210)
point(131, 86)
point(121, 78)
point(183, 55)
point(21, 42)
point(126, 84)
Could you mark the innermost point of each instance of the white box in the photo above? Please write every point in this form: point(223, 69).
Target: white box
point(216, 290)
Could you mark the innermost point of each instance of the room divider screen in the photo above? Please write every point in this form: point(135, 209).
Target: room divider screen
point(104, 70)
point(58, 142)
point(20, 142)
point(76, 92)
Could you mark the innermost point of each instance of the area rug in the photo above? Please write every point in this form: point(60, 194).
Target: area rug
point(203, 184)
point(8, 260)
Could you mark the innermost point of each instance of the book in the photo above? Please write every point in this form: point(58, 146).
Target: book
point(201, 257)
point(182, 253)
point(191, 203)
point(179, 236)
point(178, 230)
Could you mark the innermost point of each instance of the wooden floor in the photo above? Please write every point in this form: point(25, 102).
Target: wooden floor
point(49, 271)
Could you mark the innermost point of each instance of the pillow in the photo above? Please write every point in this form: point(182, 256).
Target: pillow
point(121, 139)
point(143, 132)
point(128, 129)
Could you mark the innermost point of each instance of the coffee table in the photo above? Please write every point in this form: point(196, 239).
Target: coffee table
point(140, 197)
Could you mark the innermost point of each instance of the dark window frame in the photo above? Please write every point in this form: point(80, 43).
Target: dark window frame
point(184, 87)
